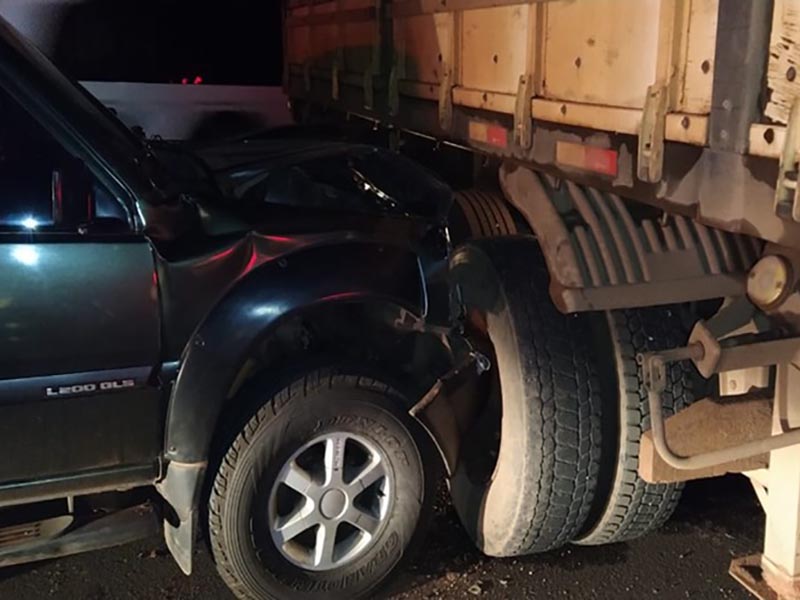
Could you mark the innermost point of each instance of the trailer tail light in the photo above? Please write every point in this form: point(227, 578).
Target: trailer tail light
point(485, 133)
point(587, 158)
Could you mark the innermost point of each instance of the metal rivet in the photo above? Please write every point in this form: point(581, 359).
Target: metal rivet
point(791, 73)
point(495, 58)
point(563, 109)
point(578, 62)
point(685, 122)
point(769, 135)
point(705, 66)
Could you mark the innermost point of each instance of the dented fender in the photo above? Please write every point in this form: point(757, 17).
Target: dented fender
point(327, 274)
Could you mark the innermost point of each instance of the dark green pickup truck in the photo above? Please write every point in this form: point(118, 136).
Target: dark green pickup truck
point(222, 340)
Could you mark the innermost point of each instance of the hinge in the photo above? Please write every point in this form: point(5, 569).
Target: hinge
point(522, 112)
point(650, 164)
point(786, 200)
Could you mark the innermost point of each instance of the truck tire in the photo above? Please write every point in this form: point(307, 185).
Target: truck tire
point(537, 494)
point(629, 507)
point(322, 493)
point(481, 214)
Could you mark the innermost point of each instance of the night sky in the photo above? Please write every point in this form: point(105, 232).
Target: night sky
point(235, 42)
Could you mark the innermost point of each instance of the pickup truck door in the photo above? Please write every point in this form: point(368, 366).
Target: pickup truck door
point(79, 320)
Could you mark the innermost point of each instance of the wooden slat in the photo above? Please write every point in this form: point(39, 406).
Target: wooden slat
point(698, 75)
point(689, 129)
point(496, 102)
point(767, 140)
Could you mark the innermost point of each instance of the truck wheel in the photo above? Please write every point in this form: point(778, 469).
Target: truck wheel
point(629, 507)
point(322, 493)
point(536, 493)
point(482, 214)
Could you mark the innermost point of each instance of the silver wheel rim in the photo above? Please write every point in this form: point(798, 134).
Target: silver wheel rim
point(330, 501)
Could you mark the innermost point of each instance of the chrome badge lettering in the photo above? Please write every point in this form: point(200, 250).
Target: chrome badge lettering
point(89, 388)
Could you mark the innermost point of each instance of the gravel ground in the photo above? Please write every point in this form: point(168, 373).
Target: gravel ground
point(687, 559)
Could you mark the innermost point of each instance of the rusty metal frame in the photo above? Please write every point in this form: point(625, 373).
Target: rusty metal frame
point(601, 257)
point(710, 357)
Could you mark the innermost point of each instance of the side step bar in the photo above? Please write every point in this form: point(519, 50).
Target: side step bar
point(118, 528)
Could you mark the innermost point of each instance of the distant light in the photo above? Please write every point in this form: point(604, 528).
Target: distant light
point(29, 223)
point(198, 80)
point(27, 255)
point(266, 310)
point(185, 81)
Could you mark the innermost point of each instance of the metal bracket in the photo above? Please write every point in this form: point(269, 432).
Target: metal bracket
point(654, 364)
point(446, 98)
point(786, 199)
point(650, 163)
point(654, 371)
point(447, 409)
point(523, 130)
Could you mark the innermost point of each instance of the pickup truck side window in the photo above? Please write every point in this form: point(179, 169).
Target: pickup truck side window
point(45, 188)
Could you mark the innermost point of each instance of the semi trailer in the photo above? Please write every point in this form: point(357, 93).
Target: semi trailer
point(627, 223)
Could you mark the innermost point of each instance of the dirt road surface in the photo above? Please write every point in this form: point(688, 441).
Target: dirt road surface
point(689, 558)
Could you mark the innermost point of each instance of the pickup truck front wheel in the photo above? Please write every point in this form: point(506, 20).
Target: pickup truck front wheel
point(322, 493)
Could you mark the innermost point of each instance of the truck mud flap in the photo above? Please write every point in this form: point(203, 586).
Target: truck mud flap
point(601, 256)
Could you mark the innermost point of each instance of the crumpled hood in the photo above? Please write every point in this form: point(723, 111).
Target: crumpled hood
point(327, 176)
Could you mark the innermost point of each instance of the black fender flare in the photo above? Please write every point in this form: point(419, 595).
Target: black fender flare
point(345, 272)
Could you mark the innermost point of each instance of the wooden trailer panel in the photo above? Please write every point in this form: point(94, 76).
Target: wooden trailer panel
point(601, 52)
point(554, 83)
point(587, 64)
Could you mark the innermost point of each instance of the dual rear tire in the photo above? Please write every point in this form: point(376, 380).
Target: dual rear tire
point(570, 410)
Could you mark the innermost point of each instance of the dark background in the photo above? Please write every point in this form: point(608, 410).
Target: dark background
point(234, 42)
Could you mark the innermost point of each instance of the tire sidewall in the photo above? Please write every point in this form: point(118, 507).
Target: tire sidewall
point(363, 412)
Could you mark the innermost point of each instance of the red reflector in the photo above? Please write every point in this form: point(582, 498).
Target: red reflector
point(484, 133)
point(497, 136)
point(587, 158)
